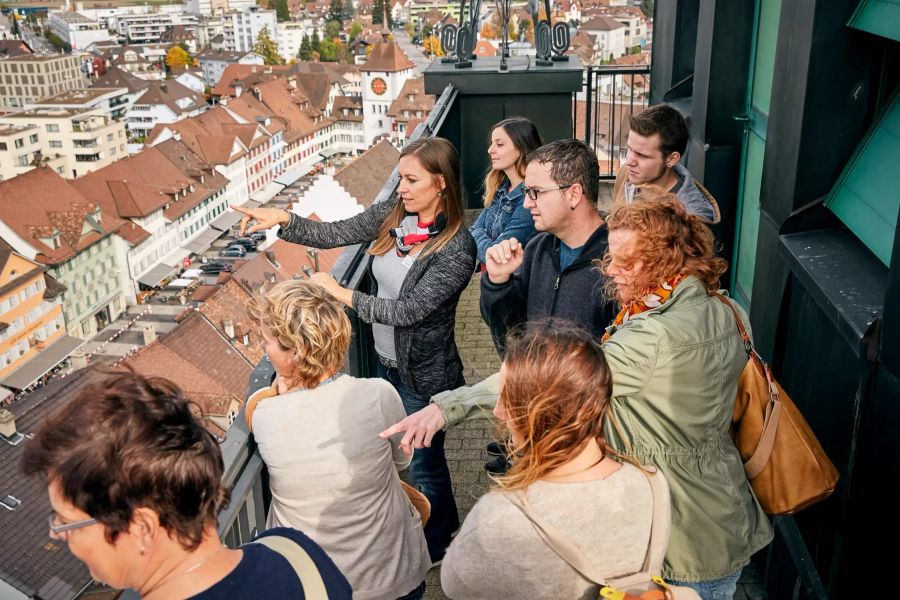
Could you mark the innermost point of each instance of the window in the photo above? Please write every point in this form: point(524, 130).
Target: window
point(23, 160)
point(2, 145)
point(20, 142)
point(55, 144)
point(52, 128)
point(33, 138)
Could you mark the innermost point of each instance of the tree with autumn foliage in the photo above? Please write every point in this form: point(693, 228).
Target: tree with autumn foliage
point(267, 48)
point(177, 56)
point(432, 46)
point(488, 31)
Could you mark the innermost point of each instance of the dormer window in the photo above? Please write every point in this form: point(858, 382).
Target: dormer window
point(52, 241)
point(97, 215)
point(191, 188)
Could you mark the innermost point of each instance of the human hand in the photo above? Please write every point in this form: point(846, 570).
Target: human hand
point(265, 218)
point(326, 281)
point(419, 428)
point(501, 260)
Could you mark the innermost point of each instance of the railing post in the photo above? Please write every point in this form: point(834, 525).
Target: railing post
point(588, 100)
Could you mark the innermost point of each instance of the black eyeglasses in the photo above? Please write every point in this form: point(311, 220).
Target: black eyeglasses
point(533, 193)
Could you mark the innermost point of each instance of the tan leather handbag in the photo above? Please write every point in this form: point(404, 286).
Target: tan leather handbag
point(418, 500)
point(785, 463)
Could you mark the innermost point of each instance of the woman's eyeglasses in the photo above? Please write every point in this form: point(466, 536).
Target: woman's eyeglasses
point(66, 527)
point(533, 193)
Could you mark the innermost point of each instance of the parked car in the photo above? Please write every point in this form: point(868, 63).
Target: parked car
point(233, 252)
point(258, 236)
point(248, 243)
point(216, 267)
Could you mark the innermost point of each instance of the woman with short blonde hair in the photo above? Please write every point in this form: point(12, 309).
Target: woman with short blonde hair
point(331, 474)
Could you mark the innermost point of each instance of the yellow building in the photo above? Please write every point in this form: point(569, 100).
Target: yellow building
point(31, 319)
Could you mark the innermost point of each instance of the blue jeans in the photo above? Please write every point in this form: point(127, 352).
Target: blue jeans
point(416, 594)
point(428, 472)
point(714, 589)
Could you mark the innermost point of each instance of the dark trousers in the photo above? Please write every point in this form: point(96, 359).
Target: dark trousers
point(429, 473)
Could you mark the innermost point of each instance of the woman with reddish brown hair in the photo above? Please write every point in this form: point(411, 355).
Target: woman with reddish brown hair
point(676, 355)
point(554, 395)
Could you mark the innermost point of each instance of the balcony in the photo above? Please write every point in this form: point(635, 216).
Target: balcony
point(91, 143)
point(88, 157)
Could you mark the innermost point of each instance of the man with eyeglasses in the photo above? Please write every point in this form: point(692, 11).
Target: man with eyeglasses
point(551, 277)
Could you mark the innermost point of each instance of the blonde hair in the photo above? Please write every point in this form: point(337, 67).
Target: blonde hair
point(306, 319)
point(439, 158)
point(525, 137)
point(556, 391)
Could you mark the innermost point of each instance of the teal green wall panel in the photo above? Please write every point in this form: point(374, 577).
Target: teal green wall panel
point(881, 17)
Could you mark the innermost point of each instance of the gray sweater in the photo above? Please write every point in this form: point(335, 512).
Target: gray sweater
point(498, 553)
point(424, 315)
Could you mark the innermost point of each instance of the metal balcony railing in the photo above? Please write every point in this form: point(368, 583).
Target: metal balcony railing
point(611, 95)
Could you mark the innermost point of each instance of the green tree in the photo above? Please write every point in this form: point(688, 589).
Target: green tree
point(267, 48)
point(332, 30)
point(331, 51)
point(316, 43)
point(379, 9)
point(336, 12)
point(647, 7)
point(282, 12)
point(305, 53)
point(355, 30)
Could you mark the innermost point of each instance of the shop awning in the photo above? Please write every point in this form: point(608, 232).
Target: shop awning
point(152, 277)
point(329, 152)
point(226, 222)
point(289, 177)
point(43, 363)
point(268, 192)
point(203, 241)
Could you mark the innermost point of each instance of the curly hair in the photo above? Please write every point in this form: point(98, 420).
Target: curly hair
point(555, 391)
point(127, 442)
point(669, 241)
point(305, 318)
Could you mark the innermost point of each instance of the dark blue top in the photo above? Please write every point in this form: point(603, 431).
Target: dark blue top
point(263, 574)
point(567, 255)
point(505, 218)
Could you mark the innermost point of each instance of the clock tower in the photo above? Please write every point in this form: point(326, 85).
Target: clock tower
point(383, 75)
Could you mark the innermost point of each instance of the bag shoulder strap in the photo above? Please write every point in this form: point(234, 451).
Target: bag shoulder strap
point(577, 559)
point(306, 569)
point(254, 400)
point(757, 461)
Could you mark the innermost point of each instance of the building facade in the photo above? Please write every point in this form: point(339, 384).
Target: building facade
point(28, 79)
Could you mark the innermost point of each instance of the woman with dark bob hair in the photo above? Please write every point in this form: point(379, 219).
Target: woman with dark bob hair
point(135, 485)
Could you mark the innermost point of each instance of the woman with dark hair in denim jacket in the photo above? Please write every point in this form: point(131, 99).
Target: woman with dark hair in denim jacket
point(504, 215)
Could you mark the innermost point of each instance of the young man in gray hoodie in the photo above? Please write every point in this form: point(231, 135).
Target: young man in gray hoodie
point(656, 142)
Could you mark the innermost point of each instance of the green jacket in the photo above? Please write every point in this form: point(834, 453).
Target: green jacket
point(675, 371)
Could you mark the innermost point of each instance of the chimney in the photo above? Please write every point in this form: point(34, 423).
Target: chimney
point(228, 326)
point(164, 88)
point(148, 330)
point(238, 90)
point(7, 424)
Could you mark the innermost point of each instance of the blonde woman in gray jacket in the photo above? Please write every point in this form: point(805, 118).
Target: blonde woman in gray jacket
point(422, 258)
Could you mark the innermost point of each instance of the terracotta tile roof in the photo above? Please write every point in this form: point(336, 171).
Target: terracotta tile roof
point(214, 135)
point(203, 292)
point(228, 303)
point(485, 48)
point(334, 71)
point(283, 260)
point(364, 177)
point(54, 206)
point(315, 86)
point(170, 93)
point(411, 98)
point(117, 78)
point(601, 24)
point(246, 75)
point(351, 104)
point(13, 48)
point(387, 57)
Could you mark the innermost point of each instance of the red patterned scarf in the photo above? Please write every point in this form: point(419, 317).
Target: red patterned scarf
point(653, 299)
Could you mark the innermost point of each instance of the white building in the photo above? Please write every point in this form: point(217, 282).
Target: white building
point(148, 28)
point(289, 35)
point(209, 7)
point(78, 30)
point(383, 76)
point(241, 28)
point(610, 35)
point(214, 64)
point(162, 102)
point(112, 102)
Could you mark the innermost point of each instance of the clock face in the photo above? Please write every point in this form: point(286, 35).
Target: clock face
point(379, 86)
